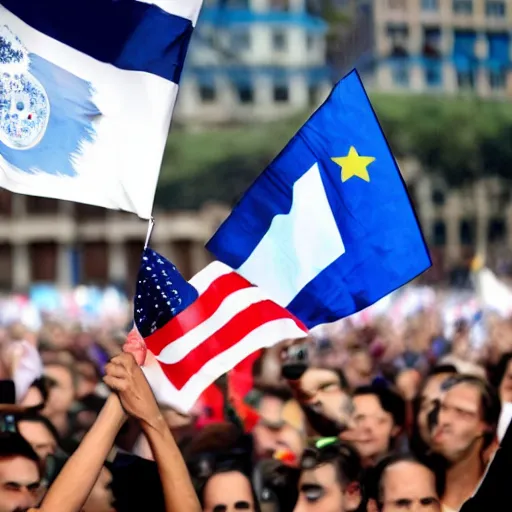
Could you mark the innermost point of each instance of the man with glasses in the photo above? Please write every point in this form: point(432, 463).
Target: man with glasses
point(329, 478)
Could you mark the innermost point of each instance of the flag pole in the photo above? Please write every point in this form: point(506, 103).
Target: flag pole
point(151, 225)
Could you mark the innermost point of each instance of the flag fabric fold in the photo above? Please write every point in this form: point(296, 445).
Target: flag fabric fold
point(198, 330)
point(328, 228)
point(87, 90)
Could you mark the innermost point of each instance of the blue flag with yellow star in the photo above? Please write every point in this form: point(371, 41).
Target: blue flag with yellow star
point(328, 228)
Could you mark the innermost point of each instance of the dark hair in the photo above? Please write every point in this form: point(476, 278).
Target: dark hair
point(343, 456)
point(440, 369)
point(500, 370)
point(43, 385)
point(489, 401)
point(391, 401)
point(13, 444)
point(282, 393)
point(34, 417)
point(373, 482)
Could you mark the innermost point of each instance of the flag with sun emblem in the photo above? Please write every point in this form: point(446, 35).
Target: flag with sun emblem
point(328, 228)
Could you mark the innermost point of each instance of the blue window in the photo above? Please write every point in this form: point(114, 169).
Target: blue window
point(433, 72)
point(240, 39)
point(463, 6)
point(400, 72)
point(430, 5)
point(279, 40)
point(499, 59)
point(432, 42)
point(495, 8)
point(497, 78)
point(464, 50)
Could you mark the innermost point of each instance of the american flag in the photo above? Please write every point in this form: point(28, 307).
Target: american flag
point(198, 330)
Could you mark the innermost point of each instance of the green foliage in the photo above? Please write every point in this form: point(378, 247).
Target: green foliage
point(460, 139)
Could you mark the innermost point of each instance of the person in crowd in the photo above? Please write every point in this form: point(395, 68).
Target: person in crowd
point(40, 433)
point(330, 474)
point(61, 395)
point(20, 474)
point(133, 396)
point(359, 367)
point(401, 482)
point(278, 427)
point(463, 428)
point(428, 396)
point(37, 393)
point(379, 417)
point(502, 378)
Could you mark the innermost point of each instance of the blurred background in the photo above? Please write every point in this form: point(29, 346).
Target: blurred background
point(439, 76)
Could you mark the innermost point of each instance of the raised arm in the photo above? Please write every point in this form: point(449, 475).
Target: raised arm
point(72, 487)
point(124, 376)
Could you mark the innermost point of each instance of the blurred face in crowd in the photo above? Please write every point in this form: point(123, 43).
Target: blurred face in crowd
point(321, 389)
point(460, 427)
point(40, 438)
point(409, 486)
point(321, 490)
point(87, 378)
point(375, 428)
point(101, 498)
point(430, 394)
point(273, 432)
point(33, 398)
point(506, 385)
point(19, 484)
point(61, 395)
point(359, 369)
point(228, 492)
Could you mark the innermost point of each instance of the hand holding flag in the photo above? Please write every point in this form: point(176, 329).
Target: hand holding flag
point(196, 331)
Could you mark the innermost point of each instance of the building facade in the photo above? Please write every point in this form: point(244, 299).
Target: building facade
point(253, 60)
point(447, 46)
point(49, 241)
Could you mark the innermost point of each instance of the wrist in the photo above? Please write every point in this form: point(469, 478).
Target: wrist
point(154, 424)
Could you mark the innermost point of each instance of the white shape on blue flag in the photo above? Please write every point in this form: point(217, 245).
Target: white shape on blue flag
point(298, 245)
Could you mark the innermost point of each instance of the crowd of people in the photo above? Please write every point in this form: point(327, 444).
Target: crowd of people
point(367, 418)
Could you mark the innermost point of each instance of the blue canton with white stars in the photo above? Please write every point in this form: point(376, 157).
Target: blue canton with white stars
point(161, 293)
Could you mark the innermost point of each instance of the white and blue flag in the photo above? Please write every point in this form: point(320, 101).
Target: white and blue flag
point(87, 90)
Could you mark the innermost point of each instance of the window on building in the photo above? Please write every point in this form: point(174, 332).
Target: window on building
point(432, 42)
point(207, 93)
point(438, 197)
point(397, 4)
point(467, 232)
point(400, 72)
point(279, 40)
point(310, 41)
point(279, 5)
point(463, 6)
point(43, 262)
point(398, 36)
point(496, 230)
point(240, 40)
point(497, 78)
point(495, 8)
point(498, 59)
point(95, 263)
point(439, 233)
point(281, 93)
point(465, 58)
point(433, 72)
point(466, 80)
point(245, 93)
point(430, 5)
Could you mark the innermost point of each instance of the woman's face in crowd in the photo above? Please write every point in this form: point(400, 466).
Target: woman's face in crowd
point(506, 385)
point(228, 492)
point(375, 427)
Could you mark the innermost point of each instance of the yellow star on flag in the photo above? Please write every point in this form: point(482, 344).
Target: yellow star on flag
point(354, 165)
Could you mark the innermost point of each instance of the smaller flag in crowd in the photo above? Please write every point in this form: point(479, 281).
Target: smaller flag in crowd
point(328, 228)
point(196, 331)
